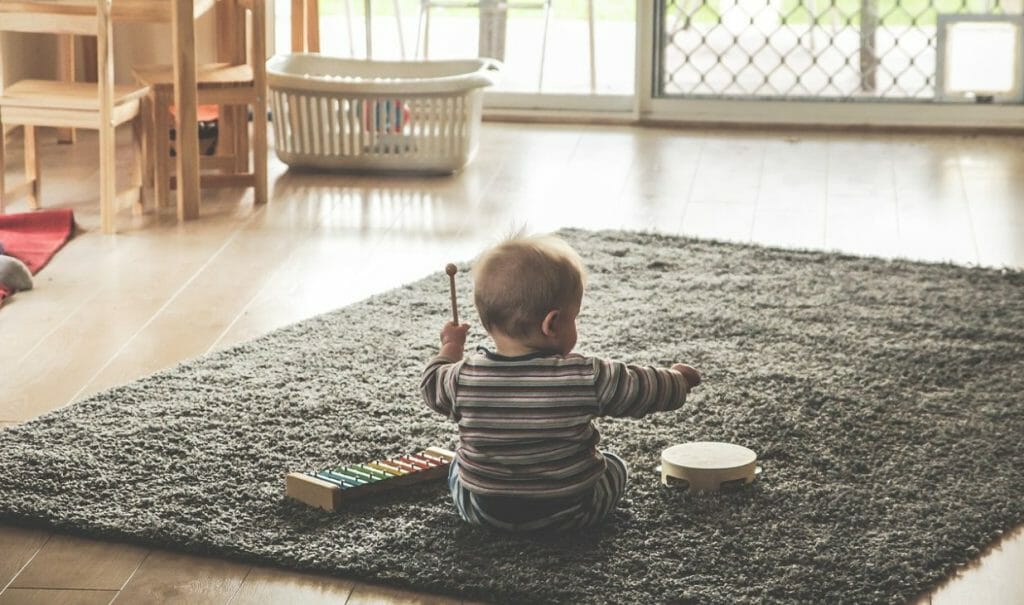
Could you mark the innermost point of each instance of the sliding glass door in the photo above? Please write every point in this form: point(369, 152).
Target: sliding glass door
point(879, 62)
point(892, 59)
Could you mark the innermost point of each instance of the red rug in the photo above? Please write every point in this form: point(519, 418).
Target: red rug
point(34, 237)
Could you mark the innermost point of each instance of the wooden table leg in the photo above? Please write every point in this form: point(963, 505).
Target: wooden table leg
point(185, 101)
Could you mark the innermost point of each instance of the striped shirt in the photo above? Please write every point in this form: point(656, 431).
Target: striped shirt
point(525, 423)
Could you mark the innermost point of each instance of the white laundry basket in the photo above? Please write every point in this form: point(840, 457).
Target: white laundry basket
point(344, 114)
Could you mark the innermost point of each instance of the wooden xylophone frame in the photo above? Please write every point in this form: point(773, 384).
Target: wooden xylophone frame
point(331, 487)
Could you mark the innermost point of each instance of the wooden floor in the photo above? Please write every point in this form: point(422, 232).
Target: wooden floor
point(111, 309)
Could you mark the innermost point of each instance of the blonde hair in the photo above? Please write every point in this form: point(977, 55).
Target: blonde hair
point(519, 281)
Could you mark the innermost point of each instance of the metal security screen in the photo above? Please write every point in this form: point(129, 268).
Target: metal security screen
point(805, 49)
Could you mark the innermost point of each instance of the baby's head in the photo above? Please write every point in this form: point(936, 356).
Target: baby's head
point(529, 290)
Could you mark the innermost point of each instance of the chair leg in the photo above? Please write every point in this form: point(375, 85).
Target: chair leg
point(146, 119)
point(224, 130)
point(313, 26)
point(162, 150)
point(240, 120)
point(683, 16)
point(351, 32)
point(812, 11)
point(368, 24)
point(138, 161)
point(32, 166)
point(419, 33)
point(108, 176)
point(398, 24)
point(3, 167)
point(544, 44)
point(298, 26)
point(593, 61)
point(259, 149)
point(227, 139)
point(423, 30)
point(66, 72)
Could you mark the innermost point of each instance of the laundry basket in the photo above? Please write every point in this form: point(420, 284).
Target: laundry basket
point(343, 114)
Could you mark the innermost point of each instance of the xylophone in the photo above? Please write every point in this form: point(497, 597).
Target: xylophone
point(328, 488)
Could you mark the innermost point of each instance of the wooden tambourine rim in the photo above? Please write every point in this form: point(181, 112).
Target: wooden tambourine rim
point(704, 477)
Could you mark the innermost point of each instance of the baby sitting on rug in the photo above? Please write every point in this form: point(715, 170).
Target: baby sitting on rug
point(528, 458)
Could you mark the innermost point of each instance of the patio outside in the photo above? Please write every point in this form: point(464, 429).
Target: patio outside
point(454, 34)
point(839, 49)
point(864, 50)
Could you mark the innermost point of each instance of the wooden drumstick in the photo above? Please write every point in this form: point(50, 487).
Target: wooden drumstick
point(451, 270)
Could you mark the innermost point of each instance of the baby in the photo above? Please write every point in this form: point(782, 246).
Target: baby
point(528, 458)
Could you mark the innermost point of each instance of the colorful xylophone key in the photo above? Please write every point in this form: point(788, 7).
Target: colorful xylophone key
point(327, 488)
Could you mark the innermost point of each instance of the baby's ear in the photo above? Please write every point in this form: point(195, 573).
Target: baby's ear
point(547, 327)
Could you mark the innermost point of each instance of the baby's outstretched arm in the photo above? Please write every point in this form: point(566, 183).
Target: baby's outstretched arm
point(439, 377)
point(628, 390)
point(689, 372)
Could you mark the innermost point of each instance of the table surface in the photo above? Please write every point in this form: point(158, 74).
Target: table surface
point(159, 11)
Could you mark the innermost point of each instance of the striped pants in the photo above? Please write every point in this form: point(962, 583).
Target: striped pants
point(605, 495)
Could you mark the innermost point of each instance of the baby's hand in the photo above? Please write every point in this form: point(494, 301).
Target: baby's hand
point(691, 375)
point(454, 335)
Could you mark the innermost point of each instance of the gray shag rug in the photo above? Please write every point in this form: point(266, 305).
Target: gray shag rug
point(884, 399)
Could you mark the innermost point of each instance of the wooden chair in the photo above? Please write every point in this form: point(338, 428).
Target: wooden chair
point(236, 86)
point(100, 106)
